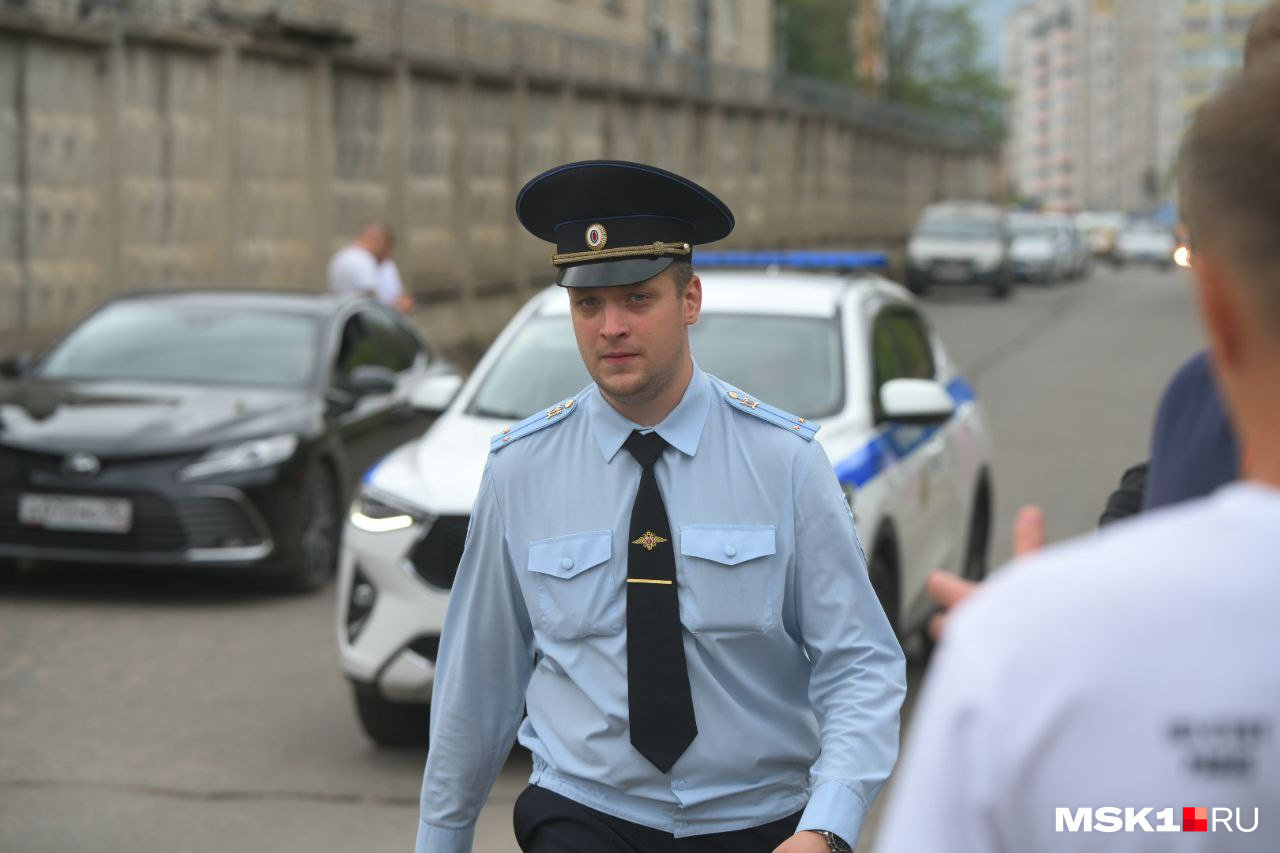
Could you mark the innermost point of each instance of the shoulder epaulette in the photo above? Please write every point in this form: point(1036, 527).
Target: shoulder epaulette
point(744, 402)
point(533, 423)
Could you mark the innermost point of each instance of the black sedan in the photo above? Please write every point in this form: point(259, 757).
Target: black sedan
point(208, 429)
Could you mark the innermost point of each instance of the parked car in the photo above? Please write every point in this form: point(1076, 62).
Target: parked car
point(1041, 249)
point(1103, 229)
point(221, 430)
point(1074, 243)
point(854, 353)
point(1144, 242)
point(960, 243)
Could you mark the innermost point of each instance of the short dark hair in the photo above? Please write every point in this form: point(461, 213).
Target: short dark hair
point(1229, 183)
point(682, 273)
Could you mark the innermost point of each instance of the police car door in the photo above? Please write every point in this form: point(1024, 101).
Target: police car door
point(918, 505)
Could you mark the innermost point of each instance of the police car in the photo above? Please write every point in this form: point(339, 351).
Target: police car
point(851, 351)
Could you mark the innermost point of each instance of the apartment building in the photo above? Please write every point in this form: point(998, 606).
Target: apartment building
point(1210, 46)
point(1101, 94)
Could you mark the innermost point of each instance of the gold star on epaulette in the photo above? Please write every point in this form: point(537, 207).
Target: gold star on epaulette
point(649, 540)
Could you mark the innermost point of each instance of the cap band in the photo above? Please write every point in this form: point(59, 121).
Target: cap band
point(651, 250)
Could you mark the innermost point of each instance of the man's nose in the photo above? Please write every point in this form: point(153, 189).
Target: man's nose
point(615, 321)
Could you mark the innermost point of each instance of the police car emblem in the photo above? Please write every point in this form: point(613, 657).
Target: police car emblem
point(596, 236)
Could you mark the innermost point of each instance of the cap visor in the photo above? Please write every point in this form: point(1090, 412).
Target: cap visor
point(612, 273)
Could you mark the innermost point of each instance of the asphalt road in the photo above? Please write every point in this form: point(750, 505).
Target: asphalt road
point(145, 711)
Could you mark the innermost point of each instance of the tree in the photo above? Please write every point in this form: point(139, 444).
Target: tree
point(815, 38)
point(933, 61)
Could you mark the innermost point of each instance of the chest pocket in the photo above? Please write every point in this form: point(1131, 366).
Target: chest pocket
point(577, 585)
point(729, 578)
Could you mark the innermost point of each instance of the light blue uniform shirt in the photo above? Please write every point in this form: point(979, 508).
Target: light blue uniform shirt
point(797, 677)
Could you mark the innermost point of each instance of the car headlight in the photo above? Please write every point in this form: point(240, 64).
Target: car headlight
point(246, 456)
point(379, 513)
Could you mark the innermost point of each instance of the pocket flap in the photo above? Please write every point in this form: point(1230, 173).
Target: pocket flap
point(567, 556)
point(729, 544)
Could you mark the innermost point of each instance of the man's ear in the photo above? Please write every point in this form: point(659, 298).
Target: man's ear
point(1222, 307)
point(693, 301)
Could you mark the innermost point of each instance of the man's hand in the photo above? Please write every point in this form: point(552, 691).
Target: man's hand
point(404, 302)
point(948, 590)
point(803, 841)
point(1028, 531)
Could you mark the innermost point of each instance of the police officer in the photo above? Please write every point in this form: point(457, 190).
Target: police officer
point(663, 570)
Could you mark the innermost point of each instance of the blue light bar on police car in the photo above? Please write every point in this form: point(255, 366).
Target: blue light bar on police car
point(793, 259)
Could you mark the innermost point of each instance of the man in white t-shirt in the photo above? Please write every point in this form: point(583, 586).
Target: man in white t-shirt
point(355, 268)
point(1124, 685)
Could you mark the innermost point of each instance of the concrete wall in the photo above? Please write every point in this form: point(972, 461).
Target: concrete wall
point(201, 157)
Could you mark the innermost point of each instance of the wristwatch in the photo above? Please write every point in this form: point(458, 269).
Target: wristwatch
point(835, 843)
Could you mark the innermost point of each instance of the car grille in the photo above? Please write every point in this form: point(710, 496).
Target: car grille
point(216, 523)
point(155, 527)
point(426, 646)
point(160, 526)
point(436, 556)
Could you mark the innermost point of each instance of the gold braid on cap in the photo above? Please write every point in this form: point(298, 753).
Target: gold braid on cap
point(651, 250)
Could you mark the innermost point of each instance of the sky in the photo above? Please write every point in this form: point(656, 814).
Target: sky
point(990, 15)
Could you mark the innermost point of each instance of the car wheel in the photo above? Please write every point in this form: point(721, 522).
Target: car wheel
point(884, 580)
point(1002, 287)
point(391, 723)
point(8, 569)
point(321, 529)
point(975, 555)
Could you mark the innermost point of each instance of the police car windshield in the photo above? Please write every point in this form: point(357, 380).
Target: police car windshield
point(794, 363)
point(539, 367)
point(1034, 230)
point(960, 229)
point(149, 342)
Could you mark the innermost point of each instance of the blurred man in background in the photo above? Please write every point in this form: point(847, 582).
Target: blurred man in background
point(365, 266)
point(1132, 670)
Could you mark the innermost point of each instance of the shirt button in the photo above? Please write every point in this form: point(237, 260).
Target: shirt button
point(566, 564)
point(730, 551)
point(680, 785)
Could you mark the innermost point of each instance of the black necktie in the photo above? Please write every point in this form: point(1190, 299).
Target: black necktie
point(658, 696)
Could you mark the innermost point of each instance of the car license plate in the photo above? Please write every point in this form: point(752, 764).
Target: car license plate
point(952, 272)
point(64, 512)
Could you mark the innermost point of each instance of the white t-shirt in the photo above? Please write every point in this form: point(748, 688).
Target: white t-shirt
point(353, 270)
point(1133, 668)
point(390, 285)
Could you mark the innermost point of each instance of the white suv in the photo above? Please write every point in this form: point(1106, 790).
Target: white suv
point(852, 352)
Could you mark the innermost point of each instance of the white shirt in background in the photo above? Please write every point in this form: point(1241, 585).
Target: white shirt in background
point(390, 285)
point(1134, 668)
point(354, 270)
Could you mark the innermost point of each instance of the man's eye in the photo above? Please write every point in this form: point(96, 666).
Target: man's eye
point(587, 303)
point(639, 297)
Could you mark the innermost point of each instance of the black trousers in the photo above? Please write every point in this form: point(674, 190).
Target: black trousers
point(546, 822)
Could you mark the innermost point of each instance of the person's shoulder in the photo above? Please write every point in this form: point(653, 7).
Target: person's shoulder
point(755, 411)
point(1102, 574)
point(1196, 373)
point(522, 431)
point(354, 257)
